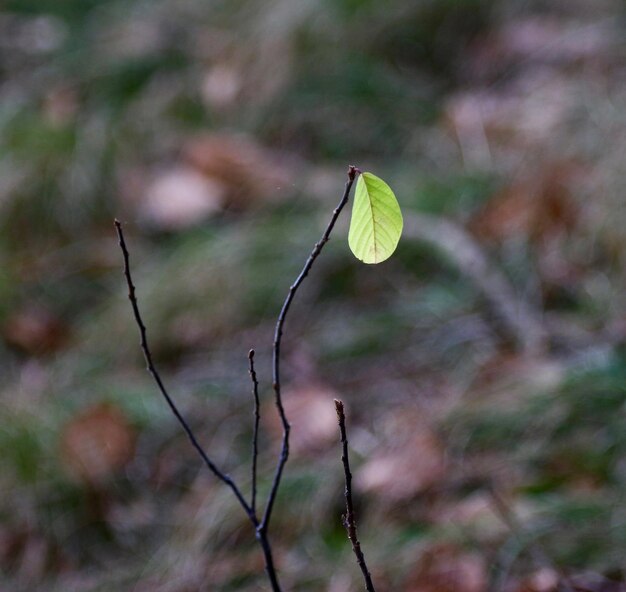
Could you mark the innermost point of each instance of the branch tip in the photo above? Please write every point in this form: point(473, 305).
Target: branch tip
point(348, 519)
point(251, 355)
point(353, 172)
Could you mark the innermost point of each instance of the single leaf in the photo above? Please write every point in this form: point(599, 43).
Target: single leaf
point(376, 223)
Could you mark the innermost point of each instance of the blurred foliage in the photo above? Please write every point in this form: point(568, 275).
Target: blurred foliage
point(220, 133)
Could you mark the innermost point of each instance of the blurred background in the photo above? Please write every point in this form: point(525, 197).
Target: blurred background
point(482, 367)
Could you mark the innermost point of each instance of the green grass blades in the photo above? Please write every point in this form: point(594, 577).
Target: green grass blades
point(376, 223)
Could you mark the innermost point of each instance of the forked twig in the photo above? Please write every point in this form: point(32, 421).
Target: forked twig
point(261, 537)
point(157, 378)
point(278, 334)
point(349, 519)
point(261, 527)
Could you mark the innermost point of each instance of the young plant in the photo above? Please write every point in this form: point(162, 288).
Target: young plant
point(375, 229)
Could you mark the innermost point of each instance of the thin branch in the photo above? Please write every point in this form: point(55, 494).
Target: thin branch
point(261, 537)
point(349, 520)
point(157, 378)
point(250, 509)
point(278, 334)
point(255, 434)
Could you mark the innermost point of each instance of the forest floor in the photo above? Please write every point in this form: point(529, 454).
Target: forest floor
point(483, 367)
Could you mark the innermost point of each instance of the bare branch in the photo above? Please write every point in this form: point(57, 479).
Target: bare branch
point(255, 433)
point(261, 528)
point(261, 536)
point(278, 334)
point(157, 378)
point(349, 520)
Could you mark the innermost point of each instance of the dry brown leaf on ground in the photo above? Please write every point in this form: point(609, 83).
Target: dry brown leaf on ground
point(215, 171)
point(410, 460)
point(445, 568)
point(541, 208)
point(35, 330)
point(180, 198)
point(248, 171)
point(538, 207)
point(311, 412)
point(97, 443)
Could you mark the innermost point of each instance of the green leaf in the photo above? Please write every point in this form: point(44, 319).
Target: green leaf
point(376, 223)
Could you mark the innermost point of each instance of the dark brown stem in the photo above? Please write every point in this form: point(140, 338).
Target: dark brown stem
point(255, 433)
point(278, 334)
point(261, 537)
point(157, 378)
point(349, 520)
point(250, 509)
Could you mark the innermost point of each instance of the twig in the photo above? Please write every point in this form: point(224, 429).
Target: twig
point(278, 334)
point(261, 528)
point(349, 520)
point(157, 378)
point(255, 434)
point(261, 536)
